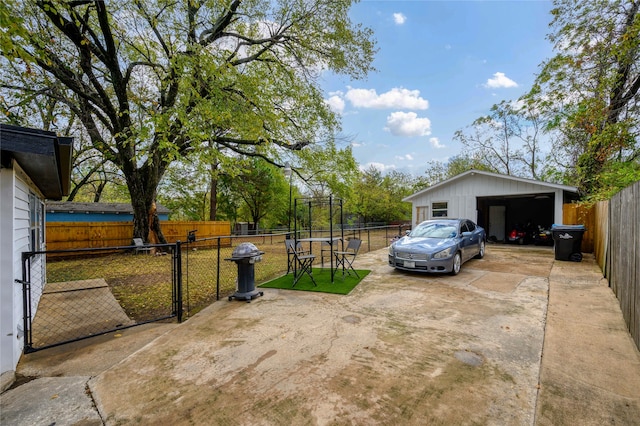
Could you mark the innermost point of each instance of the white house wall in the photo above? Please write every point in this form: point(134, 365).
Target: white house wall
point(8, 331)
point(21, 222)
point(14, 240)
point(22, 230)
point(461, 195)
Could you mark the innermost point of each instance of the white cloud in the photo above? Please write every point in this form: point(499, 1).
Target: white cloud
point(399, 18)
point(500, 80)
point(408, 124)
point(435, 142)
point(404, 157)
point(336, 103)
point(395, 98)
point(379, 166)
point(518, 104)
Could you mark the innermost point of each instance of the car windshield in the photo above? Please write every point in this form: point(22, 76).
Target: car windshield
point(434, 230)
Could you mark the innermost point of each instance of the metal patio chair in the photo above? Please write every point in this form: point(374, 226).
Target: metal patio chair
point(326, 249)
point(304, 262)
point(289, 244)
point(141, 246)
point(346, 258)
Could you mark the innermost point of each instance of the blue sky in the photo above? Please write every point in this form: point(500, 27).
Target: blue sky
point(440, 65)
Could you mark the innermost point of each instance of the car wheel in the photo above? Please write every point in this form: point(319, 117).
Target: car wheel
point(457, 263)
point(480, 254)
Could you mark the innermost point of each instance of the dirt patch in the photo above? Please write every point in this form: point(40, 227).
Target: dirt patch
point(144, 297)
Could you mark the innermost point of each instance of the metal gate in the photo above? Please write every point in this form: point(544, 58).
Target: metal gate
point(69, 295)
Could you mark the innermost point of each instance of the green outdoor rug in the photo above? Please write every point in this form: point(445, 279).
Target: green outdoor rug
point(323, 279)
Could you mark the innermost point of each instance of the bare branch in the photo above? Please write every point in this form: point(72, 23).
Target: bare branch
point(216, 31)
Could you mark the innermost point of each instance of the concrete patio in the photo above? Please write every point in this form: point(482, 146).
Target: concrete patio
point(516, 339)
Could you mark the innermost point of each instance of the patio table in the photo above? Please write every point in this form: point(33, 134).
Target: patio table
point(329, 240)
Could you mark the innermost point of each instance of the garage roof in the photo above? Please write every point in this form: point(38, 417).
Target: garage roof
point(45, 157)
point(551, 186)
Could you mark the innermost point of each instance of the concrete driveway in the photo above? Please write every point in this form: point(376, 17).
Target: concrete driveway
point(402, 348)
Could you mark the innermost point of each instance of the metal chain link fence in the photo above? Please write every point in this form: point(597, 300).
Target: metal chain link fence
point(90, 292)
point(208, 277)
point(94, 291)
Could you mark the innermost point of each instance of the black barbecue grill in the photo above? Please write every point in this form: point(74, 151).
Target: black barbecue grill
point(246, 255)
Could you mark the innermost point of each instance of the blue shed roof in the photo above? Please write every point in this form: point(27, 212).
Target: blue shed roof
point(95, 212)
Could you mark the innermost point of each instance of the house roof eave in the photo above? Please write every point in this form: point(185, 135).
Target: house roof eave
point(42, 155)
point(471, 172)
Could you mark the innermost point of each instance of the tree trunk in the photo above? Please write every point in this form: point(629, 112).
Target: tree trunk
point(142, 183)
point(155, 232)
point(98, 194)
point(140, 216)
point(143, 203)
point(213, 212)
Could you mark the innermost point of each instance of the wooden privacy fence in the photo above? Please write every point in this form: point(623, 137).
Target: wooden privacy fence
point(623, 260)
point(578, 214)
point(595, 218)
point(75, 235)
point(613, 235)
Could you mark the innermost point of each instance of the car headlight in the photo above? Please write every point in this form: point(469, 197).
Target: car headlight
point(391, 250)
point(443, 254)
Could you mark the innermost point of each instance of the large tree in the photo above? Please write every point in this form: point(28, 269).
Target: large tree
point(378, 197)
point(262, 189)
point(327, 170)
point(193, 186)
point(152, 80)
point(507, 140)
point(438, 171)
point(588, 91)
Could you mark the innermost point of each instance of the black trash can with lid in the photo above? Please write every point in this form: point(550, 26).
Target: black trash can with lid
point(246, 255)
point(568, 242)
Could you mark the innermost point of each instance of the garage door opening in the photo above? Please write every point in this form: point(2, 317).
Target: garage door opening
point(499, 215)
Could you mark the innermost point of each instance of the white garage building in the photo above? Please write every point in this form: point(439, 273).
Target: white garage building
point(494, 201)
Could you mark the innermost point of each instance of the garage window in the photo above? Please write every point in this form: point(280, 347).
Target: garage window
point(439, 209)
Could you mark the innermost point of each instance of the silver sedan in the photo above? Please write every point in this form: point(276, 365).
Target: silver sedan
point(441, 245)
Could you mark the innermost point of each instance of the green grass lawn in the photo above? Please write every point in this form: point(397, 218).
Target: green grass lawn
point(322, 276)
point(142, 283)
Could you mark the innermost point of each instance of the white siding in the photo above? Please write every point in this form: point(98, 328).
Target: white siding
point(8, 331)
point(20, 244)
point(15, 238)
point(557, 214)
point(460, 202)
point(461, 194)
point(482, 185)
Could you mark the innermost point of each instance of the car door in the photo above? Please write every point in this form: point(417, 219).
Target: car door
point(473, 243)
point(465, 241)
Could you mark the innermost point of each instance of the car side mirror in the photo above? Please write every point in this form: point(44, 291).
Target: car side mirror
point(407, 232)
point(467, 234)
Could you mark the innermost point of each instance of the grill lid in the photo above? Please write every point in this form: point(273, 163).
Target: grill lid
point(246, 250)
